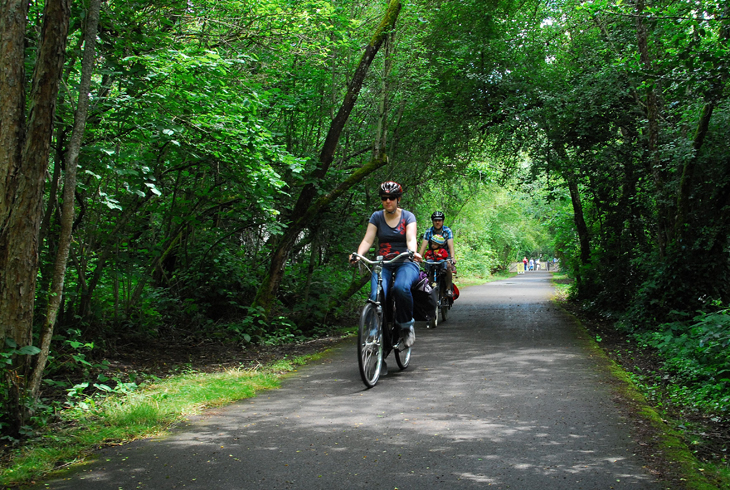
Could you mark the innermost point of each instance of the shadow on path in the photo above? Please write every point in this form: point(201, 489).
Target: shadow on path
point(503, 395)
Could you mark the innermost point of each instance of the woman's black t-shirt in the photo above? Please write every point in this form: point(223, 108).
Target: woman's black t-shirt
point(392, 240)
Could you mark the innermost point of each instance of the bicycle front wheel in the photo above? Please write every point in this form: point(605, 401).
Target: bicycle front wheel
point(370, 345)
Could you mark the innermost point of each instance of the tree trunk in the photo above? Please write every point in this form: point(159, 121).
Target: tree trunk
point(267, 291)
point(22, 209)
point(687, 181)
point(568, 173)
point(652, 116)
point(12, 138)
point(304, 210)
point(69, 189)
point(580, 223)
point(381, 137)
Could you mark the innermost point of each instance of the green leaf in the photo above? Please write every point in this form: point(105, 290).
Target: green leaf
point(28, 350)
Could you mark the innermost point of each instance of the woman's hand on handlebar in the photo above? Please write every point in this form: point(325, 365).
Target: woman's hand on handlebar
point(353, 260)
point(417, 257)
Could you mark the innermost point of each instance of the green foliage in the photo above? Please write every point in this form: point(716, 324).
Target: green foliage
point(255, 328)
point(10, 351)
point(696, 358)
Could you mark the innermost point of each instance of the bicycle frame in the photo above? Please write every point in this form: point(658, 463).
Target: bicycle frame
point(435, 272)
point(377, 336)
point(380, 301)
point(436, 275)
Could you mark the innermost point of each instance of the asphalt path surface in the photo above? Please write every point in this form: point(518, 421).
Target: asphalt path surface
point(505, 395)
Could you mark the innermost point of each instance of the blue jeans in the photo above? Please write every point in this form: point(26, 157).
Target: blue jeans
point(406, 275)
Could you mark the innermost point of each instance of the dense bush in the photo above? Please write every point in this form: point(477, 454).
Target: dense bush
point(696, 358)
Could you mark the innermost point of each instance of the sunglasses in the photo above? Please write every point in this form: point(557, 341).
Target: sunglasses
point(388, 198)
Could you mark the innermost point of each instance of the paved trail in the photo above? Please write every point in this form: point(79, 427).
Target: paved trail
point(504, 395)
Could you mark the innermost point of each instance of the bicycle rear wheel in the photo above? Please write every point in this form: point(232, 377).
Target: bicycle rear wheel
point(402, 354)
point(370, 345)
point(434, 322)
point(403, 357)
point(444, 306)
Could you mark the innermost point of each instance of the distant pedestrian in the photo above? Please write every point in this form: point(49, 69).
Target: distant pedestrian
point(524, 261)
point(532, 265)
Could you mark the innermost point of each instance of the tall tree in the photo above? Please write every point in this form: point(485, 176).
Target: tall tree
point(24, 178)
point(69, 192)
point(306, 207)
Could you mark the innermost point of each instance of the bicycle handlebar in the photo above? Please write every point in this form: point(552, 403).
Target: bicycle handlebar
point(399, 257)
point(436, 262)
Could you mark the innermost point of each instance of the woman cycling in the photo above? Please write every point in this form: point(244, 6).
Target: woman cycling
point(395, 229)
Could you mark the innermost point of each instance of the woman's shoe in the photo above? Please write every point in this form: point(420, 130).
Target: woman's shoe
point(407, 333)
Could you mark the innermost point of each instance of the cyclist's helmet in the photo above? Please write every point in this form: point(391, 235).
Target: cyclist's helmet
point(438, 239)
point(437, 215)
point(391, 189)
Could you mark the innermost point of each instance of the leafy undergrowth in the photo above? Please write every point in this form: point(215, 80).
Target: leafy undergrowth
point(695, 361)
point(176, 385)
point(672, 372)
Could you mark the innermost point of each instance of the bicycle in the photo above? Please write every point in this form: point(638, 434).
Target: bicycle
point(377, 333)
point(436, 276)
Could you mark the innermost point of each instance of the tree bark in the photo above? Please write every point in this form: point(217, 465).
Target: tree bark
point(13, 15)
point(578, 218)
point(22, 210)
point(304, 209)
point(69, 189)
point(381, 133)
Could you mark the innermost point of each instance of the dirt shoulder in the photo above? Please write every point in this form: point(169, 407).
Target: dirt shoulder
point(163, 358)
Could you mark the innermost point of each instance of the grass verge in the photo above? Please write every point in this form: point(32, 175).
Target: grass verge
point(467, 281)
point(562, 284)
point(125, 417)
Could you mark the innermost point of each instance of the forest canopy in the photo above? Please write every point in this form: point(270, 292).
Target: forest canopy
point(204, 168)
